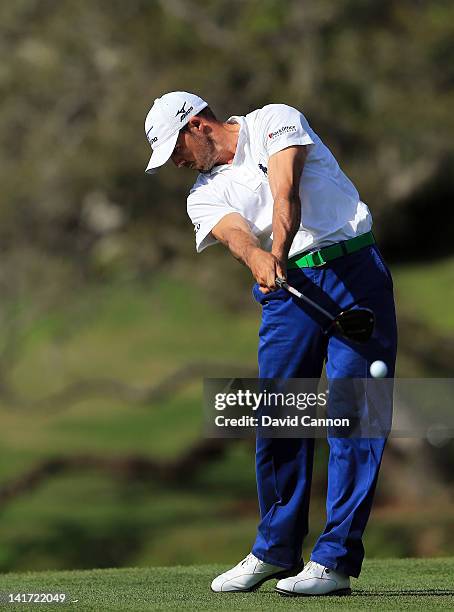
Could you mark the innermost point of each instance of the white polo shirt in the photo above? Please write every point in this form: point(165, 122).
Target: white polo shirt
point(331, 209)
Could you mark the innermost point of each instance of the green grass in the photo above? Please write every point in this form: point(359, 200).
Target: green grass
point(406, 584)
point(137, 333)
point(424, 291)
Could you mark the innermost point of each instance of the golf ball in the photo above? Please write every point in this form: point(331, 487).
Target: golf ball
point(378, 369)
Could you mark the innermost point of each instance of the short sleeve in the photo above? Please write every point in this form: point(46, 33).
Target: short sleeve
point(205, 211)
point(283, 126)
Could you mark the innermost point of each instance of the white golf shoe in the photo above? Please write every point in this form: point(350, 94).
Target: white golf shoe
point(315, 579)
point(248, 575)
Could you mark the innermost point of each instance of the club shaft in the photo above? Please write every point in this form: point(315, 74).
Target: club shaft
point(303, 297)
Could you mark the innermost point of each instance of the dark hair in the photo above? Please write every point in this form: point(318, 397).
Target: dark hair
point(206, 113)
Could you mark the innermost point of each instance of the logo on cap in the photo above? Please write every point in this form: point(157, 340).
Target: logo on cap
point(183, 112)
point(150, 139)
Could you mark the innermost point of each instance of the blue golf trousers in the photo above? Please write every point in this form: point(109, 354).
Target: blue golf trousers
point(292, 344)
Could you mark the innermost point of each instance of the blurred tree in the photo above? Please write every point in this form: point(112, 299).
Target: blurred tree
point(375, 80)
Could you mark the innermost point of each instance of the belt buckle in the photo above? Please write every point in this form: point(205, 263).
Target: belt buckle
point(321, 261)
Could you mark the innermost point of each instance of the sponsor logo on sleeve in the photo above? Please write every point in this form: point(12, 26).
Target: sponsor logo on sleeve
point(286, 129)
point(264, 169)
point(196, 227)
point(183, 112)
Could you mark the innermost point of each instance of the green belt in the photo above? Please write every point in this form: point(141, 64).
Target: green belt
point(318, 258)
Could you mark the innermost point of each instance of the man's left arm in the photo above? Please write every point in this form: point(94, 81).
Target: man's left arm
point(284, 172)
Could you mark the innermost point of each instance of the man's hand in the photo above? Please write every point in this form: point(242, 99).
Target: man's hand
point(265, 267)
point(234, 232)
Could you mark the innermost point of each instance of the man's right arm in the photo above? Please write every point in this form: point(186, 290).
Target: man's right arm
point(234, 232)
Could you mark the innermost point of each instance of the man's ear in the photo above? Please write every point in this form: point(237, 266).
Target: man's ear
point(194, 124)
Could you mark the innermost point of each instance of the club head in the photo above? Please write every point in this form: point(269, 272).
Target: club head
point(356, 324)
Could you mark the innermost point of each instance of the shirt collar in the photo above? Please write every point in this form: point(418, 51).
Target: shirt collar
point(239, 156)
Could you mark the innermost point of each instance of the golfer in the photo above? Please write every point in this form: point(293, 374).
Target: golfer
point(273, 194)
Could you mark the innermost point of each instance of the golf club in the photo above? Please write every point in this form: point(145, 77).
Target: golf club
point(356, 324)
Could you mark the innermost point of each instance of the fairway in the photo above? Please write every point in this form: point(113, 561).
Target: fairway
point(405, 584)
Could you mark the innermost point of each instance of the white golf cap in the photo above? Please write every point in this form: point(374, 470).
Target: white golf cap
point(164, 121)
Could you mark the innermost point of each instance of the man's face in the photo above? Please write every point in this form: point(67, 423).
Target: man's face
point(195, 149)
